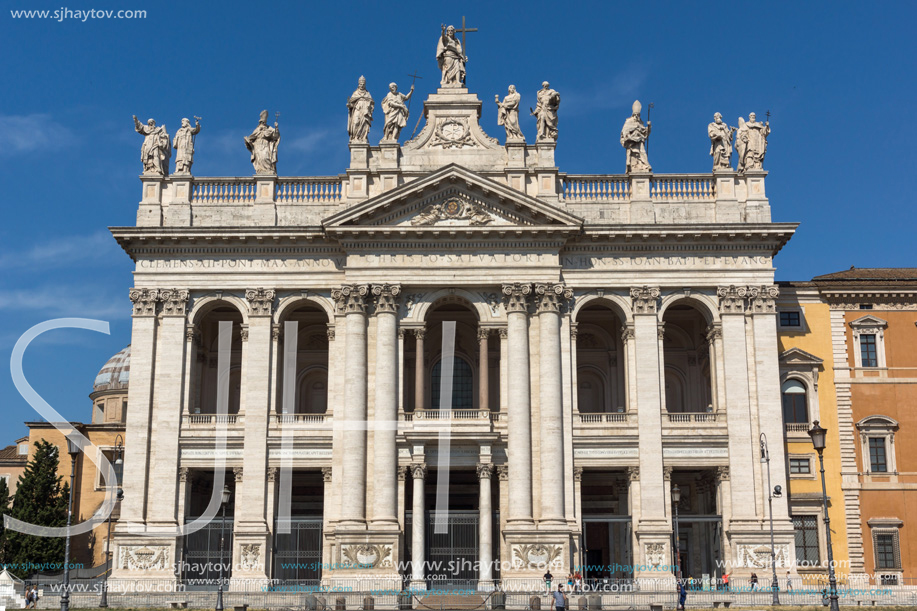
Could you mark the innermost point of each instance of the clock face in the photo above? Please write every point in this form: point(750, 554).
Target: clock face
point(452, 208)
point(452, 131)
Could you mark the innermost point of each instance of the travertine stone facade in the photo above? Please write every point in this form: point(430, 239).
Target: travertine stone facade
point(549, 276)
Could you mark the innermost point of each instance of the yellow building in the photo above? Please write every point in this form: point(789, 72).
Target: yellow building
point(808, 394)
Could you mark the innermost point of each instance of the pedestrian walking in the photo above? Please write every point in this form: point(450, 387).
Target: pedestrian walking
point(560, 599)
point(682, 595)
point(548, 578)
point(789, 582)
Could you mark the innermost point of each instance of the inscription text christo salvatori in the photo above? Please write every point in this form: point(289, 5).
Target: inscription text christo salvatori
point(498, 259)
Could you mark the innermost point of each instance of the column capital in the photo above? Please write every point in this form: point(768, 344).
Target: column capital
point(732, 299)
point(326, 474)
point(551, 297)
point(713, 332)
point(418, 471)
point(237, 472)
point(273, 474)
point(660, 331)
point(503, 473)
point(762, 299)
point(483, 333)
point(351, 298)
point(503, 332)
point(667, 474)
point(420, 332)
point(577, 474)
point(403, 473)
point(644, 299)
point(275, 332)
point(174, 301)
point(144, 301)
point(330, 332)
point(192, 334)
point(485, 470)
point(386, 297)
point(627, 334)
point(184, 474)
point(516, 297)
point(722, 473)
point(633, 474)
point(260, 301)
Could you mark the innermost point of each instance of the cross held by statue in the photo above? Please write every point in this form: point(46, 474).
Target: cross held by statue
point(463, 29)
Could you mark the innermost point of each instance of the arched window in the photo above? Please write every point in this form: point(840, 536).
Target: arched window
point(462, 385)
point(313, 392)
point(795, 405)
point(674, 392)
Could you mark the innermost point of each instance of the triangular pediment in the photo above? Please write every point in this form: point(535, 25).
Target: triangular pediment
point(796, 356)
point(869, 321)
point(453, 198)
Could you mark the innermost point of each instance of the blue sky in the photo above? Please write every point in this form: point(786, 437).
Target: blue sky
point(838, 78)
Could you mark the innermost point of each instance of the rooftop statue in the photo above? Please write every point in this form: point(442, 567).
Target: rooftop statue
point(633, 138)
point(451, 59)
point(184, 145)
point(396, 112)
point(360, 113)
point(508, 114)
point(155, 151)
point(720, 142)
point(751, 143)
point(263, 146)
point(547, 103)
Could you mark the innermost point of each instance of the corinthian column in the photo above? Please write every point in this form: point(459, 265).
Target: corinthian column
point(485, 526)
point(351, 300)
point(483, 370)
point(385, 459)
point(418, 370)
point(418, 522)
point(550, 298)
point(519, 444)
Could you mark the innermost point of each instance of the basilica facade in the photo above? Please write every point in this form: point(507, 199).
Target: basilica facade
point(611, 338)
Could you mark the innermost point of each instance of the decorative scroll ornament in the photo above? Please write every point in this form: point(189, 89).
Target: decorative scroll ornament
point(759, 556)
point(732, 299)
point(260, 301)
point(552, 297)
point(644, 300)
point(762, 299)
point(351, 298)
point(144, 301)
point(250, 556)
point(174, 301)
point(452, 133)
point(386, 297)
point(537, 555)
point(368, 556)
point(453, 210)
point(654, 554)
point(515, 296)
point(144, 558)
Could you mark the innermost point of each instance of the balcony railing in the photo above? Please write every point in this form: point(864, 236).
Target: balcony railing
point(619, 417)
point(312, 190)
point(282, 419)
point(797, 427)
point(223, 191)
point(579, 188)
point(455, 414)
point(689, 417)
point(212, 420)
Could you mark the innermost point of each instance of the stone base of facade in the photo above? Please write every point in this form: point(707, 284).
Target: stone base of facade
point(532, 552)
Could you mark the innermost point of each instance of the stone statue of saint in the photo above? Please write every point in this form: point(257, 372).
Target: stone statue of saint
point(396, 112)
point(263, 144)
point(155, 152)
point(508, 114)
point(184, 145)
point(547, 103)
point(451, 59)
point(720, 142)
point(751, 143)
point(633, 138)
point(360, 113)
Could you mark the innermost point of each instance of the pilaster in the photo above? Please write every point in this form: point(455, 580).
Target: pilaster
point(149, 214)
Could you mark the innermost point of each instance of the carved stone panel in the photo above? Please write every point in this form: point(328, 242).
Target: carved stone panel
point(144, 558)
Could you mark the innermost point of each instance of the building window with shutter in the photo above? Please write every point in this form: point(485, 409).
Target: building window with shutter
point(806, 529)
point(878, 462)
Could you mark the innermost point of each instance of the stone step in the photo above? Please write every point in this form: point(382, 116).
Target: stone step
point(451, 602)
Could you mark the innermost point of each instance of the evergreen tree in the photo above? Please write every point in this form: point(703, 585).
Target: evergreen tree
point(4, 509)
point(41, 499)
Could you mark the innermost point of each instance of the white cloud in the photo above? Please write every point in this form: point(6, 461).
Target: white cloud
point(66, 301)
point(619, 91)
point(61, 252)
point(31, 133)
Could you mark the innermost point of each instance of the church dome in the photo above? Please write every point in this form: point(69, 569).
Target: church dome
point(115, 375)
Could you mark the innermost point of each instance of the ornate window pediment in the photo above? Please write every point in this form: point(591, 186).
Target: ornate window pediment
point(869, 341)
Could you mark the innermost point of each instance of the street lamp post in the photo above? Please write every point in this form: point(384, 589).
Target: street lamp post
point(771, 493)
point(74, 445)
point(676, 498)
point(818, 433)
point(119, 470)
point(225, 501)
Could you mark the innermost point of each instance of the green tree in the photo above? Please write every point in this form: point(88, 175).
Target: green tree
point(4, 509)
point(40, 499)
